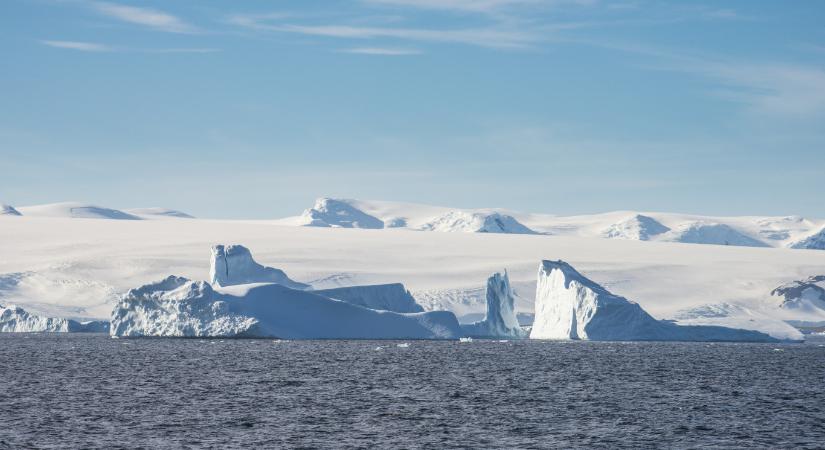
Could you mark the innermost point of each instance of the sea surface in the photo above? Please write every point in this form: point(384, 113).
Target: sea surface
point(91, 391)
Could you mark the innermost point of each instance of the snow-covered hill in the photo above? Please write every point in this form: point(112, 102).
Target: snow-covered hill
point(749, 231)
point(158, 213)
point(75, 210)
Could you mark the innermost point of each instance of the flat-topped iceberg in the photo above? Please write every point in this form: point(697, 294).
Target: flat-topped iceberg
point(500, 320)
point(570, 306)
point(387, 297)
point(233, 264)
point(184, 308)
point(14, 319)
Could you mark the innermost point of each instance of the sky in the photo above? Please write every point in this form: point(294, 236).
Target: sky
point(253, 109)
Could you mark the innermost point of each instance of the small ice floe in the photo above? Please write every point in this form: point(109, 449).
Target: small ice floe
point(379, 348)
point(503, 341)
point(403, 345)
point(465, 339)
point(779, 350)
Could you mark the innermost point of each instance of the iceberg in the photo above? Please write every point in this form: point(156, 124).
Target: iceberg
point(570, 306)
point(233, 264)
point(179, 307)
point(388, 297)
point(14, 319)
point(500, 320)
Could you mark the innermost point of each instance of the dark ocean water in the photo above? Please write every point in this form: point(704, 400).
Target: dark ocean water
point(90, 391)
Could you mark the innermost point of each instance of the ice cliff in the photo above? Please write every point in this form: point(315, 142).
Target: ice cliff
point(185, 308)
point(329, 212)
point(500, 320)
point(570, 306)
point(387, 297)
point(14, 319)
point(233, 264)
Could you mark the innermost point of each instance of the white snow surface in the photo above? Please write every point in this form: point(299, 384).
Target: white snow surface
point(387, 297)
point(8, 210)
point(178, 307)
point(500, 319)
point(233, 264)
point(570, 306)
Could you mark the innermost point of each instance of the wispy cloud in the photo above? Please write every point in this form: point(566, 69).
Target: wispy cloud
point(491, 37)
point(476, 6)
point(147, 17)
point(76, 45)
point(379, 51)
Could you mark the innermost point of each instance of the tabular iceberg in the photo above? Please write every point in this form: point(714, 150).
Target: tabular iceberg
point(500, 320)
point(233, 264)
point(184, 308)
point(14, 319)
point(570, 306)
point(387, 297)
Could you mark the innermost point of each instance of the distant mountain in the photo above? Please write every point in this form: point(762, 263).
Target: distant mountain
point(637, 228)
point(713, 233)
point(76, 210)
point(329, 212)
point(815, 241)
point(8, 210)
point(477, 222)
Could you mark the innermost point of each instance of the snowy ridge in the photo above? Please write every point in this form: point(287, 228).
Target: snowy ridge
point(805, 295)
point(500, 319)
point(815, 241)
point(233, 264)
point(570, 306)
point(387, 297)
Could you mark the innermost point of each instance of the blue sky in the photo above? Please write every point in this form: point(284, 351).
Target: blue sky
point(252, 109)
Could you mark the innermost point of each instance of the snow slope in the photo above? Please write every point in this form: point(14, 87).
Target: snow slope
point(637, 228)
point(178, 307)
point(500, 319)
point(388, 297)
point(805, 296)
point(14, 319)
point(815, 241)
point(476, 222)
point(61, 267)
point(233, 264)
point(8, 210)
point(75, 210)
point(570, 306)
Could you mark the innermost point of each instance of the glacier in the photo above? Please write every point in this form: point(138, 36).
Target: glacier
point(179, 307)
point(571, 307)
point(500, 320)
point(388, 297)
point(233, 264)
point(14, 319)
